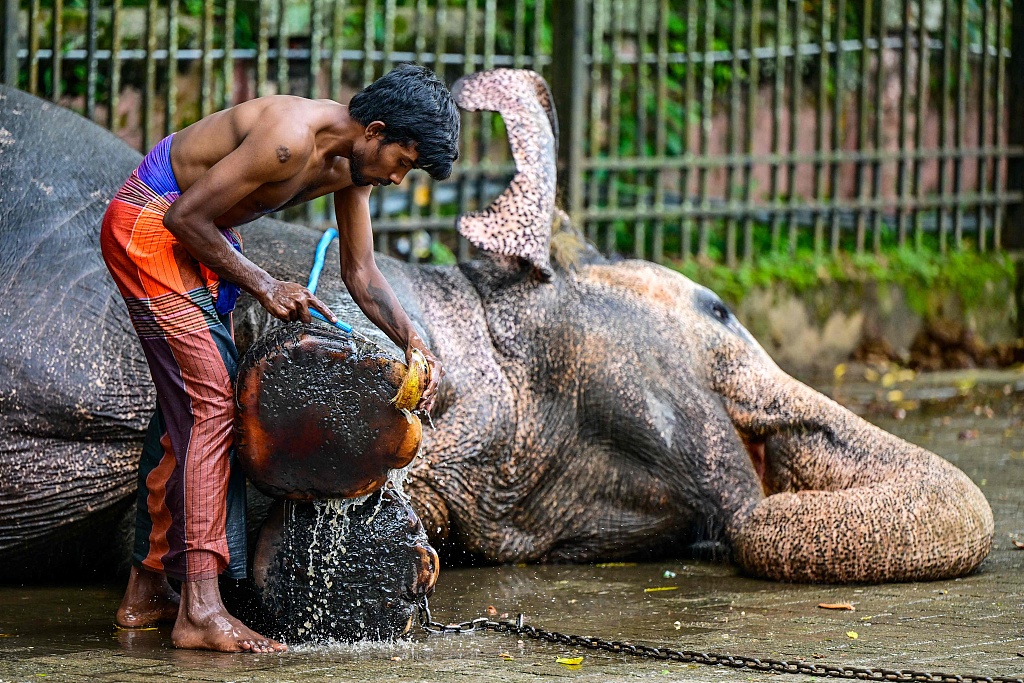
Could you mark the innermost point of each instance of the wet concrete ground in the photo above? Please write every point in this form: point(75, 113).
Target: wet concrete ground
point(969, 625)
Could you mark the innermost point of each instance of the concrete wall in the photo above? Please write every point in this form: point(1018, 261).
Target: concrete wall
point(809, 333)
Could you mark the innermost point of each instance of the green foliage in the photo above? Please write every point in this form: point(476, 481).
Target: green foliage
point(922, 274)
point(441, 255)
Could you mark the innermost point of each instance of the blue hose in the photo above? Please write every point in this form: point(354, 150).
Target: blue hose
point(314, 276)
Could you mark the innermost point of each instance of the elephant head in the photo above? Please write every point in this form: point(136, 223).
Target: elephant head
point(603, 410)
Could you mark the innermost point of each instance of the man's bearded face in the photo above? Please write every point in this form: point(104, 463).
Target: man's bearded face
point(357, 168)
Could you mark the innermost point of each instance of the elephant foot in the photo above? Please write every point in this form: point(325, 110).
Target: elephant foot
point(148, 600)
point(334, 571)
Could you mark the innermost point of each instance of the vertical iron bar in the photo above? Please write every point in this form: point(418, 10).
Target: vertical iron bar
point(753, 83)
point(597, 47)
point(1000, 124)
point(538, 35)
point(777, 95)
point(923, 68)
point(901, 177)
point(114, 91)
point(734, 136)
point(982, 163)
point(862, 120)
point(420, 46)
point(34, 12)
point(206, 66)
point(315, 44)
point(149, 90)
point(959, 127)
point(33, 46)
point(171, 104)
point(282, 48)
point(369, 42)
point(837, 123)
point(944, 114)
point(337, 48)
point(819, 127)
point(614, 118)
point(640, 180)
point(57, 41)
point(878, 142)
point(794, 124)
point(9, 35)
point(660, 135)
point(706, 112)
point(389, 35)
point(262, 46)
point(686, 242)
point(227, 96)
point(91, 63)
point(518, 34)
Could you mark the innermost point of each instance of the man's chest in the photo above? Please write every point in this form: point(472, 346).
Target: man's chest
point(316, 180)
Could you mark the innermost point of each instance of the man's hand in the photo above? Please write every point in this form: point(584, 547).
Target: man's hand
point(291, 301)
point(434, 374)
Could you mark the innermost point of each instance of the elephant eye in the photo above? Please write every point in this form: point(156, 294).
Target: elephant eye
point(719, 310)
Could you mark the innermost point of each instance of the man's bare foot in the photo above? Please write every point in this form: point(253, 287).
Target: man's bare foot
point(148, 600)
point(204, 623)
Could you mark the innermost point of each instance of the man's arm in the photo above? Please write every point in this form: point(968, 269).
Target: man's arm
point(368, 287)
point(191, 219)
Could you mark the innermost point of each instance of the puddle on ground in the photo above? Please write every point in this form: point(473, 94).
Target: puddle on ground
point(969, 625)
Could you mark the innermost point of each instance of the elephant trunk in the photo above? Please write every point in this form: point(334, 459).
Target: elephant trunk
point(847, 501)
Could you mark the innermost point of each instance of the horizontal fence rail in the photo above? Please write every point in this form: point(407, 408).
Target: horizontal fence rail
point(712, 129)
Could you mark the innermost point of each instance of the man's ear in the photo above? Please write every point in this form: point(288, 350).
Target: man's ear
point(374, 129)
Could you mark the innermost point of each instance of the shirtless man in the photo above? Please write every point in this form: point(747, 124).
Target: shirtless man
point(169, 243)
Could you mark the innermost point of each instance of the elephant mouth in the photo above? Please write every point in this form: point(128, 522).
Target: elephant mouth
point(327, 573)
point(758, 459)
point(845, 501)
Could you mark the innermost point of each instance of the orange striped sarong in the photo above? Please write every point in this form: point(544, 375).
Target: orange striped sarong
point(190, 519)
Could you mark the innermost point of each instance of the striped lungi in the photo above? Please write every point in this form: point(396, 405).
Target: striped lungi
point(190, 520)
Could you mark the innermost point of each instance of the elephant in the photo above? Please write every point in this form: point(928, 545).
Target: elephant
point(592, 410)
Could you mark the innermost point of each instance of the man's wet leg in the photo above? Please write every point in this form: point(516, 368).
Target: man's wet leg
point(204, 623)
point(148, 600)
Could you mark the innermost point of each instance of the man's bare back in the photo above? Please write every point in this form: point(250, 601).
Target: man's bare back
point(272, 134)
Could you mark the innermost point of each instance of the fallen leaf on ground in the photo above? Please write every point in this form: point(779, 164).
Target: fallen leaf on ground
point(605, 565)
point(837, 605)
point(817, 656)
point(658, 589)
point(852, 634)
point(570, 661)
point(492, 611)
point(396, 659)
point(1018, 544)
point(506, 656)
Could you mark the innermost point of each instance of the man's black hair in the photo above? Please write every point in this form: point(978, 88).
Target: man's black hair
point(416, 107)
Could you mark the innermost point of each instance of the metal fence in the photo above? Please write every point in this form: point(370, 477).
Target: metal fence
point(713, 128)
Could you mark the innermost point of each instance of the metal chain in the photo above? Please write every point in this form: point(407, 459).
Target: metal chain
point(518, 627)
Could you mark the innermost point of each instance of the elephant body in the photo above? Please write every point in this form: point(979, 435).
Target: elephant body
point(590, 411)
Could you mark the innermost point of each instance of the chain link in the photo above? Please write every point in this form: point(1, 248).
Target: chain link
point(518, 627)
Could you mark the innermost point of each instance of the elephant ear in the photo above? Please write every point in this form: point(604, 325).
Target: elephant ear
point(518, 221)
